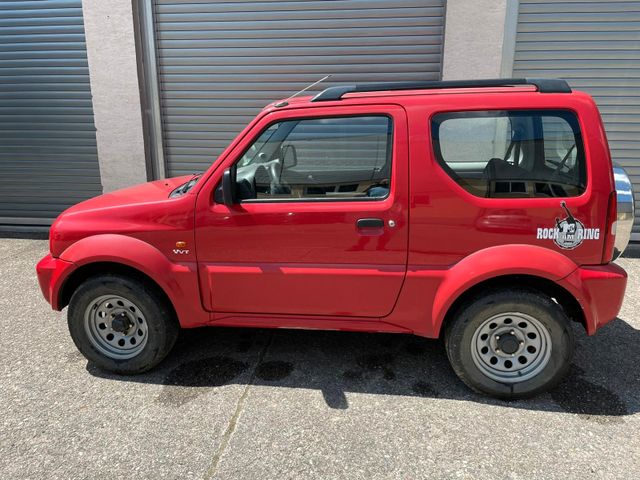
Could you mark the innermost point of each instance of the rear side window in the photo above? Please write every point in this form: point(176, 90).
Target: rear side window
point(512, 153)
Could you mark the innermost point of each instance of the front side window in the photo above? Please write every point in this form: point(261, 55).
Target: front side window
point(320, 158)
point(512, 153)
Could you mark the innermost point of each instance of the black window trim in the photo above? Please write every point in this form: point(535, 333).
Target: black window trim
point(391, 134)
point(569, 115)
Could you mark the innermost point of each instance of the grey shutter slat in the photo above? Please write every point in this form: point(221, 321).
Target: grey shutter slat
point(595, 47)
point(220, 63)
point(48, 155)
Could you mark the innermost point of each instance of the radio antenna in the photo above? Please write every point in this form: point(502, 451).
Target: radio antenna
point(284, 102)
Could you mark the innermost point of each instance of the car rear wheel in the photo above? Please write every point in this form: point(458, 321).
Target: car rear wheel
point(511, 343)
point(120, 324)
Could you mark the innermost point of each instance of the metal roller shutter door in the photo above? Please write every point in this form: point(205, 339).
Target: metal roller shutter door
point(219, 63)
point(48, 157)
point(596, 47)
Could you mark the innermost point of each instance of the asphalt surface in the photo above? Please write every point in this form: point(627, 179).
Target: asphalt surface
point(258, 404)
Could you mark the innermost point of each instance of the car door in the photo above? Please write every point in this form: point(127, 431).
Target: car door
point(320, 222)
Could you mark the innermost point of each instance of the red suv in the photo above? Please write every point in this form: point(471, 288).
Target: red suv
point(483, 212)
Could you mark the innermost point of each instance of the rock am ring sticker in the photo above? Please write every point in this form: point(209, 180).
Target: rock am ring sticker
point(569, 232)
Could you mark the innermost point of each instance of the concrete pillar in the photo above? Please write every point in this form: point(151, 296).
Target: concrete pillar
point(113, 70)
point(479, 39)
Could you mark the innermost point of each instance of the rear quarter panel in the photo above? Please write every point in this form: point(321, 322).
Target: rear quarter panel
point(457, 239)
point(448, 223)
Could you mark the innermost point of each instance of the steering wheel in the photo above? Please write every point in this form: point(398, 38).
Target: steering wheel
point(274, 174)
point(269, 174)
point(276, 185)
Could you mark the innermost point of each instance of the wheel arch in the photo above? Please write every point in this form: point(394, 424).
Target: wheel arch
point(89, 270)
point(558, 293)
point(178, 282)
point(531, 266)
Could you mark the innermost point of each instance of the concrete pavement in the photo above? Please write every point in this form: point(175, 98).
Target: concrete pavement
point(258, 404)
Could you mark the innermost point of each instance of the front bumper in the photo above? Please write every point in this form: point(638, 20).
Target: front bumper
point(52, 273)
point(600, 291)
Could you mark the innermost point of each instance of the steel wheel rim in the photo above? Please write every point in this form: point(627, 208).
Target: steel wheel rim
point(116, 327)
point(506, 365)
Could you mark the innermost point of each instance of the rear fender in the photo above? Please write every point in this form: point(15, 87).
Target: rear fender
point(179, 281)
point(495, 262)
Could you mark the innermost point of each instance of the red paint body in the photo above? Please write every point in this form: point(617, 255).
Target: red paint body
point(305, 265)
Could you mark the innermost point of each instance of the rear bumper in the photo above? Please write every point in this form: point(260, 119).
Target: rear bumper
point(51, 274)
point(600, 292)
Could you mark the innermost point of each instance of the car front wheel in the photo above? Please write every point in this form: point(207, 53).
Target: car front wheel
point(120, 324)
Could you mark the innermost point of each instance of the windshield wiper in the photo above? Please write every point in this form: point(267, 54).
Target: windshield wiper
point(185, 187)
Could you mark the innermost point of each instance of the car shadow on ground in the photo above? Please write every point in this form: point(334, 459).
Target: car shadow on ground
point(603, 384)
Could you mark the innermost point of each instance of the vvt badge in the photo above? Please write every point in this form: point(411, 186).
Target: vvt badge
point(569, 232)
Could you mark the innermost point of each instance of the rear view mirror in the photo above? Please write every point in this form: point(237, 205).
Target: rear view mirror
point(226, 191)
point(289, 156)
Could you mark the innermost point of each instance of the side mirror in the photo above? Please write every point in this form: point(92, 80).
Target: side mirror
point(289, 156)
point(226, 191)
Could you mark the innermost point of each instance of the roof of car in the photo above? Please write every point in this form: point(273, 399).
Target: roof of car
point(543, 85)
point(503, 85)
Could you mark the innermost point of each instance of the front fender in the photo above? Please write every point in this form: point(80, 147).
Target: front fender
point(178, 280)
point(495, 262)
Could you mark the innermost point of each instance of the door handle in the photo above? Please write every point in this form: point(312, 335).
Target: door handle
point(370, 223)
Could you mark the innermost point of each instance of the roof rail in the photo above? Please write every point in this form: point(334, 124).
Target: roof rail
point(544, 85)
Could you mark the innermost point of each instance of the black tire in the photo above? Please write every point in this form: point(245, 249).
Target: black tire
point(470, 317)
point(161, 325)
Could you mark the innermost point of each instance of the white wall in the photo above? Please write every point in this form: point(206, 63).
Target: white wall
point(115, 88)
point(479, 39)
